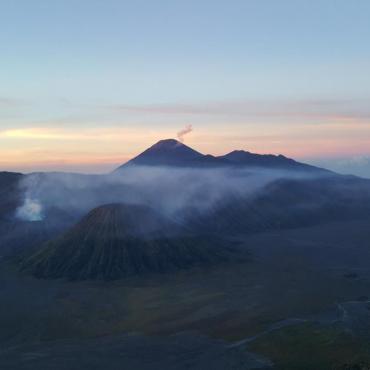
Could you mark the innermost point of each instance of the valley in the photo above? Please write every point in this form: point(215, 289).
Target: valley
point(295, 277)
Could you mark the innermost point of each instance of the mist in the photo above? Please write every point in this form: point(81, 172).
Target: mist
point(173, 191)
point(31, 210)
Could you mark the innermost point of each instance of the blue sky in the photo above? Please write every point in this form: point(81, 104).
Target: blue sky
point(86, 84)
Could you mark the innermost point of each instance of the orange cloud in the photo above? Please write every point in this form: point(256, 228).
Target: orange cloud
point(101, 149)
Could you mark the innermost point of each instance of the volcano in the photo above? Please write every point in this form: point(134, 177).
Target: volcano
point(170, 152)
point(115, 241)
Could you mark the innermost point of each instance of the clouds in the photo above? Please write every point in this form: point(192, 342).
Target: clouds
point(309, 109)
point(171, 190)
point(299, 111)
point(100, 149)
point(85, 149)
point(311, 128)
point(65, 134)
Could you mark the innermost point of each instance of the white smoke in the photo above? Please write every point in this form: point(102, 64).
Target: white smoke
point(183, 132)
point(31, 210)
point(173, 191)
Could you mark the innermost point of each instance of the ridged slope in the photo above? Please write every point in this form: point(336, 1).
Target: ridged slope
point(115, 241)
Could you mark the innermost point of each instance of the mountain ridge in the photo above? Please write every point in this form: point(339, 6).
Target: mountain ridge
point(173, 153)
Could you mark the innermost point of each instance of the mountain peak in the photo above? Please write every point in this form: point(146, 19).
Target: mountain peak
point(167, 152)
point(167, 143)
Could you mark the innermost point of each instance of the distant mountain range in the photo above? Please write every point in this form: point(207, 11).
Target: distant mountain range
point(171, 152)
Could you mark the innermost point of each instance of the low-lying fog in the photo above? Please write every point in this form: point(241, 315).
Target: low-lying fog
point(170, 190)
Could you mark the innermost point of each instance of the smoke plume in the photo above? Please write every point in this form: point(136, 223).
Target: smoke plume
point(31, 210)
point(183, 132)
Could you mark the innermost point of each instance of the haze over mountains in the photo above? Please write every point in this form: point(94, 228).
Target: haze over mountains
point(177, 180)
point(238, 193)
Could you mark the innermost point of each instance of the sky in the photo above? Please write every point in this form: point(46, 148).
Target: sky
point(86, 85)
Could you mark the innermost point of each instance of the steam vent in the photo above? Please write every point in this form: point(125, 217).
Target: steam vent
point(115, 241)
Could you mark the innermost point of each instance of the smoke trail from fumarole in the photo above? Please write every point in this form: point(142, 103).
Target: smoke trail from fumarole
point(171, 190)
point(183, 132)
point(31, 210)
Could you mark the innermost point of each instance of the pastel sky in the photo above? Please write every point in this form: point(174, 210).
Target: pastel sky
point(87, 84)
